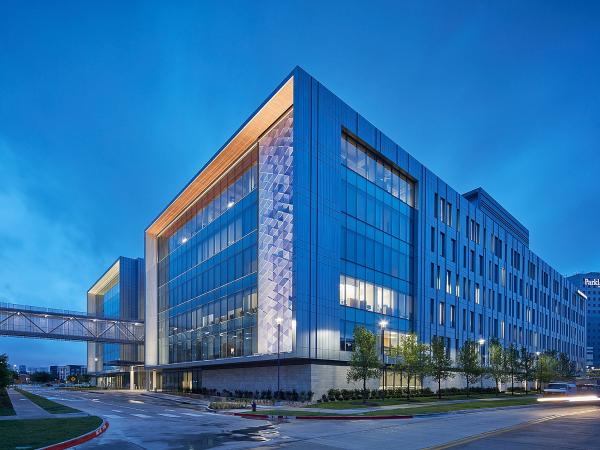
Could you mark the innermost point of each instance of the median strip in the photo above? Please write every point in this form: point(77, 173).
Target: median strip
point(42, 433)
point(80, 439)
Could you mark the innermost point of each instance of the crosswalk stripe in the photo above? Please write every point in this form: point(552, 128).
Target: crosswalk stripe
point(141, 416)
point(167, 415)
point(193, 414)
point(117, 410)
point(113, 416)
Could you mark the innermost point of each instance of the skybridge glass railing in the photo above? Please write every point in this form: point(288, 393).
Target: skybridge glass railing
point(49, 323)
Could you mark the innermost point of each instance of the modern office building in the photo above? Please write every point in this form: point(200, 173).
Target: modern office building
point(310, 221)
point(589, 284)
point(118, 294)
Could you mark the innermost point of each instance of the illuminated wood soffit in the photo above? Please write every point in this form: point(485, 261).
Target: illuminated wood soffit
point(279, 103)
point(105, 279)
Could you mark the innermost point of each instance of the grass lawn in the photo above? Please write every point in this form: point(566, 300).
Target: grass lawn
point(6, 408)
point(24, 434)
point(476, 404)
point(429, 409)
point(48, 405)
point(353, 404)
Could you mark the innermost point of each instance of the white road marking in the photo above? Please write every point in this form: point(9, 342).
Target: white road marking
point(194, 414)
point(141, 416)
point(113, 416)
point(117, 410)
point(167, 415)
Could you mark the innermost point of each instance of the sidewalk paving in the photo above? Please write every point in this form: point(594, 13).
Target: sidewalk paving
point(386, 407)
point(25, 408)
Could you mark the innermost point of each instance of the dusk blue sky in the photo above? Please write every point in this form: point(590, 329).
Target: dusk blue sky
point(108, 109)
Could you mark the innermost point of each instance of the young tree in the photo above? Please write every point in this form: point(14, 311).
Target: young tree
point(565, 367)
point(546, 368)
point(497, 365)
point(6, 373)
point(512, 365)
point(526, 367)
point(364, 361)
point(468, 363)
point(440, 364)
point(41, 377)
point(411, 358)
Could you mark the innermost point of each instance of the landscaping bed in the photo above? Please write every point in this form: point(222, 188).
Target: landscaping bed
point(6, 407)
point(48, 405)
point(24, 434)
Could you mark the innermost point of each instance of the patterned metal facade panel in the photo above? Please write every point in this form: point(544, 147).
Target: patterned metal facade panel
point(275, 237)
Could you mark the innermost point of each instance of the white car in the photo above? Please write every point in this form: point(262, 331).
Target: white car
point(560, 389)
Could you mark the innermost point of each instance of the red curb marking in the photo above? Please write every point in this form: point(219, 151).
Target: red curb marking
point(79, 440)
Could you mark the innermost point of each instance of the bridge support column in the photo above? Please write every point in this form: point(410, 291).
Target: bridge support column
point(131, 379)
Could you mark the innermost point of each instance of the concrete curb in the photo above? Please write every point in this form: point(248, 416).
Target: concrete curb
point(337, 417)
point(79, 440)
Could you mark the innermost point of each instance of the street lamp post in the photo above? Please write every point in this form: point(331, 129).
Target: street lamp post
point(383, 324)
point(279, 320)
point(482, 354)
point(538, 381)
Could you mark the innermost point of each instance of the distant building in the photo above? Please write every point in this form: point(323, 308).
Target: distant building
point(22, 369)
point(62, 373)
point(118, 294)
point(37, 369)
point(589, 284)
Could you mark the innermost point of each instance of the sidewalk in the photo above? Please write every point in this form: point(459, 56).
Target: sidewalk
point(25, 408)
point(387, 407)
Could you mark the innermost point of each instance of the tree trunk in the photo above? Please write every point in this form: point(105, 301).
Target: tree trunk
point(365, 390)
point(512, 383)
point(468, 393)
point(526, 381)
point(408, 387)
point(439, 388)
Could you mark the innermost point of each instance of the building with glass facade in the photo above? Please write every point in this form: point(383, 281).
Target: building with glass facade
point(310, 221)
point(589, 285)
point(118, 294)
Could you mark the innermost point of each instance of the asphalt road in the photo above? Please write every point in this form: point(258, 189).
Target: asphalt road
point(142, 421)
point(574, 432)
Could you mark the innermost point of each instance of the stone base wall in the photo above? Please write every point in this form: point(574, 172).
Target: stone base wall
point(317, 378)
point(296, 377)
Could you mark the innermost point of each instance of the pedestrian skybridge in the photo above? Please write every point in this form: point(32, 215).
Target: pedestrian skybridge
point(47, 323)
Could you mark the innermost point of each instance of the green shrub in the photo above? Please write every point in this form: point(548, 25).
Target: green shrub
point(228, 405)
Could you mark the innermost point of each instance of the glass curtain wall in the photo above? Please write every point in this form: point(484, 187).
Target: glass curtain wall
point(207, 283)
point(376, 246)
